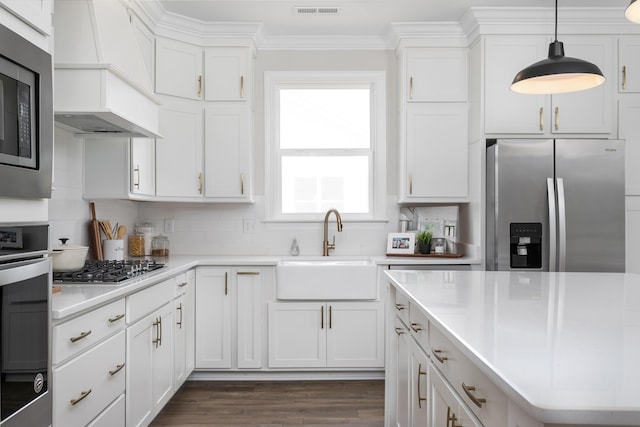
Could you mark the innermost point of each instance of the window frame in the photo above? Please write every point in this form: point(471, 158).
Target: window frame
point(273, 82)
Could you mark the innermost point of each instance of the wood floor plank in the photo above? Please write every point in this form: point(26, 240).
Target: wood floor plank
point(275, 404)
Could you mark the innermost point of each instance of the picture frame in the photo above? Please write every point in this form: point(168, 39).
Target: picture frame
point(401, 243)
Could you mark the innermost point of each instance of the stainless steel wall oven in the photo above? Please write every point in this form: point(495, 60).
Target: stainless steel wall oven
point(25, 355)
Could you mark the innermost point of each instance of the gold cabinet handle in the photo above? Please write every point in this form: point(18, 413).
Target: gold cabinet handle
point(183, 284)
point(199, 86)
point(241, 86)
point(420, 373)
point(410, 183)
point(157, 333)
point(330, 316)
point(200, 183)
point(226, 283)
point(410, 87)
point(83, 395)
point(400, 331)
point(116, 318)
point(541, 119)
point(624, 77)
point(400, 307)
point(137, 179)
point(478, 401)
point(248, 273)
point(415, 327)
point(179, 323)
point(242, 184)
point(557, 121)
point(322, 317)
point(81, 336)
point(160, 337)
point(450, 416)
point(436, 354)
point(118, 369)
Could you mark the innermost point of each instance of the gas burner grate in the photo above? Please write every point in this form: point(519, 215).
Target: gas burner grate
point(108, 271)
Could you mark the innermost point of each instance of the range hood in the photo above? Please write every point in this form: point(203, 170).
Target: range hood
point(101, 84)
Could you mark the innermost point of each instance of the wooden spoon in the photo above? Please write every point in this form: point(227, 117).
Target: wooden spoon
point(122, 231)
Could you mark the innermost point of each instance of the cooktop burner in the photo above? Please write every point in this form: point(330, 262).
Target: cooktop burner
point(107, 271)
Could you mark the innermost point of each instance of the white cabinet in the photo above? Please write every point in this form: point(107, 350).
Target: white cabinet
point(178, 69)
point(143, 166)
point(229, 302)
point(228, 74)
point(434, 162)
point(36, 13)
point(446, 407)
point(507, 112)
point(227, 154)
point(332, 334)
point(419, 396)
point(179, 154)
point(435, 74)
point(184, 327)
point(629, 131)
point(629, 65)
point(401, 342)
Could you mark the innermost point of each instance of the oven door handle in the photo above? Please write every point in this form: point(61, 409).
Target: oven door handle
point(22, 270)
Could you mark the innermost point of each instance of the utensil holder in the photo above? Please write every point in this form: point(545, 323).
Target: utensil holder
point(113, 249)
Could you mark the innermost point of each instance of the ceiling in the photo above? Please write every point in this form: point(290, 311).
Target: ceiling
point(353, 17)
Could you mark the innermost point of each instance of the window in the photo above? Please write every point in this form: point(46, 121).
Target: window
point(325, 144)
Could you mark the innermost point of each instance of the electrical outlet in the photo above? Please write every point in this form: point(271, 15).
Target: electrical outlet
point(249, 226)
point(168, 225)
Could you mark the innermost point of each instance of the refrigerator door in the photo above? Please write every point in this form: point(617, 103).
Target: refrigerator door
point(517, 173)
point(591, 173)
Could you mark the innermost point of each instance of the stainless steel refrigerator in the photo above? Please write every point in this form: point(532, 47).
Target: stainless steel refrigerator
point(555, 205)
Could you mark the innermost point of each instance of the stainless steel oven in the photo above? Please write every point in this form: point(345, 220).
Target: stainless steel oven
point(25, 294)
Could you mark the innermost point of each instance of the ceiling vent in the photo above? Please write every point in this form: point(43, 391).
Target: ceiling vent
point(310, 10)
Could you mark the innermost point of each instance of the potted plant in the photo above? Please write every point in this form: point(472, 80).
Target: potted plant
point(424, 241)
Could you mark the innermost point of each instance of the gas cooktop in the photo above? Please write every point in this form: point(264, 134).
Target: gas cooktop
point(106, 272)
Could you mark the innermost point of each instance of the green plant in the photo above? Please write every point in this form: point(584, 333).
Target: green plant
point(424, 237)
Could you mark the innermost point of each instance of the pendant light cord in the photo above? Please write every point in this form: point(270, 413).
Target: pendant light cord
point(556, 20)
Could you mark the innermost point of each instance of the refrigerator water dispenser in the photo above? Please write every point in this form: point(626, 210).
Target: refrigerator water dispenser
point(526, 245)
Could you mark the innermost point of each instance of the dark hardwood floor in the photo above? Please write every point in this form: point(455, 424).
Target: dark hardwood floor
point(277, 403)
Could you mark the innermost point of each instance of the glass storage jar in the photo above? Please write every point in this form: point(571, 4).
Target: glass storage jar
point(136, 245)
point(160, 246)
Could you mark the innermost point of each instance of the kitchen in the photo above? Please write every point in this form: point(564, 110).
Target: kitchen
point(243, 229)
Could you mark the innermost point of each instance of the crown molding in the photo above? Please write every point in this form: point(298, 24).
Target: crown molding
point(426, 34)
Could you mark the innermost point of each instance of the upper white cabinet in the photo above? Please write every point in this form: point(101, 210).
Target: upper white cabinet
point(506, 112)
point(629, 64)
point(178, 69)
point(227, 72)
point(36, 13)
point(435, 74)
point(143, 167)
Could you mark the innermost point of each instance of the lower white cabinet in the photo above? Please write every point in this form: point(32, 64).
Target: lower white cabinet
point(446, 407)
point(419, 395)
point(326, 334)
point(400, 343)
point(113, 416)
point(184, 327)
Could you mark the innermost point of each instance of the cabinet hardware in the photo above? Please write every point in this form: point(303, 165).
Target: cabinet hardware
point(242, 184)
point(400, 331)
point(436, 354)
point(400, 307)
point(624, 77)
point(450, 416)
point(226, 283)
point(160, 337)
point(330, 316)
point(410, 183)
point(322, 317)
point(199, 86)
point(183, 284)
point(557, 121)
point(541, 119)
point(79, 337)
point(137, 180)
point(83, 394)
point(478, 401)
point(420, 398)
point(200, 183)
point(118, 369)
point(248, 273)
point(410, 87)
point(179, 323)
point(157, 338)
point(241, 86)
point(116, 318)
point(415, 327)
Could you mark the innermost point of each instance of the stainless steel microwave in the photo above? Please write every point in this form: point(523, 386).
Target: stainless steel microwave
point(26, 118)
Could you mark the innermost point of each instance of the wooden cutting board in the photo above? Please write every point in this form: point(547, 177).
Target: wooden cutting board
point(94, 235)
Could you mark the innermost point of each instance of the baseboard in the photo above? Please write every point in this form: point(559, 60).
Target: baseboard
point(285, 376)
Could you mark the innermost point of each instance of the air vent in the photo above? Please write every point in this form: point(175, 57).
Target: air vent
point(316, 10)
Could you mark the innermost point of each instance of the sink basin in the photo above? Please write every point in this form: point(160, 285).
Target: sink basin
point(326, 278)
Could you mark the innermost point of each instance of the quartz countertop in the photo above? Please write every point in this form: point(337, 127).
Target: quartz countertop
point(565, 347)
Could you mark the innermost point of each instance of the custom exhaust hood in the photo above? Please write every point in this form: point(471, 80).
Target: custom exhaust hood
point(101, 85)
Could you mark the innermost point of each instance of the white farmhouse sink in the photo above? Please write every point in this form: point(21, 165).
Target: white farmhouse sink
point(326, 278)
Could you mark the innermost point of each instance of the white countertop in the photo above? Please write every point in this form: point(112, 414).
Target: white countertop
point(564, 346)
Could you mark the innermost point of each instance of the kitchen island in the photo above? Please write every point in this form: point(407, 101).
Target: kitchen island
point(558, 348)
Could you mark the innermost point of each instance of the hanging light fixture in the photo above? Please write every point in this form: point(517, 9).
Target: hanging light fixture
point(633, 12)
point(557, 73)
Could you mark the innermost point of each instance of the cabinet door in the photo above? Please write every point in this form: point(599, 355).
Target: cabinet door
point(143, 170)
point(506, 111)
point(227, 74)
point(297, 335)
point(162, 358)
point(437, 74)
point(178, 69)
point(570, 114)
point(419, 387)
point(189, 317)
point(355, 334)
point(139, 375)
point(249, 318)
point(228, 151)
point(180, 354)
point(213, 309)
point(445, 406)
point(402, 377)
point(629, 130)
point(179, 153)
point(437, 153)
point(629, 64)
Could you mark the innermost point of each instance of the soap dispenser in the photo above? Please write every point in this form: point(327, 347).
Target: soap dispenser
point(295, 249)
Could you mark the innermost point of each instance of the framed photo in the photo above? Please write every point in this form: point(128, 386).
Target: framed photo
point(401, 243)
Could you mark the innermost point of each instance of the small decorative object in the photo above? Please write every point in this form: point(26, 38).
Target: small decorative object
point(295, 249)
point(424, 241)
point(401, 243)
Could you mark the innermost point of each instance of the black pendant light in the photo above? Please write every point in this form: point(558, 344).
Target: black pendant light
point(557, 73)
point(633, 12)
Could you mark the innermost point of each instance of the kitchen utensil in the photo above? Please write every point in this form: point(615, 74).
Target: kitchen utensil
point(113, 249)
point(94, 235)
point(121, 232)
point(68, 257)
point(106, 229)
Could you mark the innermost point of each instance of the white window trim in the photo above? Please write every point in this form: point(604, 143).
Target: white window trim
point(273, 80)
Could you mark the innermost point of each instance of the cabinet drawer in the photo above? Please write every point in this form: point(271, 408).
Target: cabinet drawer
point(402, 307)
point(485, 399)
point(181, 282)
point(112, 416)
point(150, 299)
point(80, 333)
point(419, 326)
point(92, 380)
